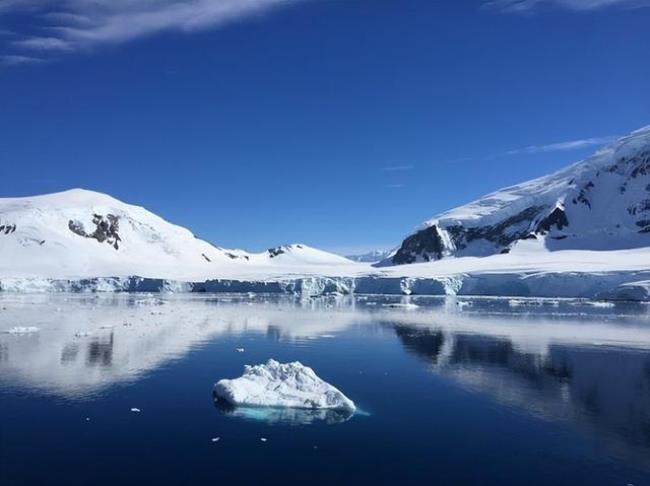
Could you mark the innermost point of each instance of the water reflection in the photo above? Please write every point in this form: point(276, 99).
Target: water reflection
point(604, 390)
point(290, 416)
point(567, 362)
point(88, 343)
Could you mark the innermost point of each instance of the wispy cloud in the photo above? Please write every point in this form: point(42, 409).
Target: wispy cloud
point(15, 60)
point(43, 44)
point(398, 168)
point(527, 6)
point(76, 25)
point(563, 146)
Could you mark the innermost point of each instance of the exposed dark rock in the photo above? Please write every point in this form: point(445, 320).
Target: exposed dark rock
point(106, 229)
point(557, 218)
point(499, 233)
point(643, 223)
point(426, 243)
point(640, 207)
point(206, 257)
point(582, 196)
point(232, 256)
point(273, 252)
point(7, 228)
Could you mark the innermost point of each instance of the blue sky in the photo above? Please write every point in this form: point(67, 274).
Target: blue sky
point(338, 123)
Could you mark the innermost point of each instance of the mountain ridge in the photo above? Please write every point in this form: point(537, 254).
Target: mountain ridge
point(599, 203)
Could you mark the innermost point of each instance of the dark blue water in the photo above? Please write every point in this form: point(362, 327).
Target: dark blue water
point(485, 392)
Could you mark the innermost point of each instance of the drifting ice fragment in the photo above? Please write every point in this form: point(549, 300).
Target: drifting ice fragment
point(136, 410)
point(274, 384)
point(22, 330)
point(240, 350)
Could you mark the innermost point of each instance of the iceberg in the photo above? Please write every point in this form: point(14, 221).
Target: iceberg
point(282, 385)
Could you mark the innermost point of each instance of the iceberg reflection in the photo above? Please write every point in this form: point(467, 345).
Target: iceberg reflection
point(277, 415)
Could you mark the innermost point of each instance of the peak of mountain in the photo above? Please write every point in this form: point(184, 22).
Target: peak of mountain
point(86, 233)
point(300, 253)
point(599, 203)
point(81, 233)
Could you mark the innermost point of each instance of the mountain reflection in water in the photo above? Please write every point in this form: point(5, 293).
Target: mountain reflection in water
point(564, 362)
point(604, 389)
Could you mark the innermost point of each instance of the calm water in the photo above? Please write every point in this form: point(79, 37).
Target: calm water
point(452, 392)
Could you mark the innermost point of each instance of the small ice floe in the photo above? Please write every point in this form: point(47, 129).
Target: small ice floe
point(22, 330)
point(396, 305)
point(274, 384)
point(215, 439)
point(136, 410)
point(263, 439)
point(240, 350)
point(600, 304)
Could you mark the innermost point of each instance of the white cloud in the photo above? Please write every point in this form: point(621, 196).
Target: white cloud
point(43, 43)
point(563, 146)
point(15, 60)
point(84, 24)
point(398, 168)
point(526, 6)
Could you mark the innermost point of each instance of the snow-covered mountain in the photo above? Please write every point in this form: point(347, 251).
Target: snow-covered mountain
point(81, 233)
point(600, 203)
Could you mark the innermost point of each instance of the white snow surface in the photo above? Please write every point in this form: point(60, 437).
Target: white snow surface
point(36, 240)
point(603, 248)
point(286, 385)
point(605, 197)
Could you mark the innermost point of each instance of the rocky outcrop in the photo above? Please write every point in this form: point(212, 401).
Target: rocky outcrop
point(6, 229)
point(426, 244)
point(106, 229)
point(602, 202)
point(429, 244)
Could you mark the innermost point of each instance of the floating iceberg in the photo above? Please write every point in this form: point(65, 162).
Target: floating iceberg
point(282, 385)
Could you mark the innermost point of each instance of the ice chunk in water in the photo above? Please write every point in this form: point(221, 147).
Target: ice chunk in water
point(275, 384)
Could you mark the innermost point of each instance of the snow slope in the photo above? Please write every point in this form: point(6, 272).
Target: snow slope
point(600, 203)
point(581, 232)
point(81, 234)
